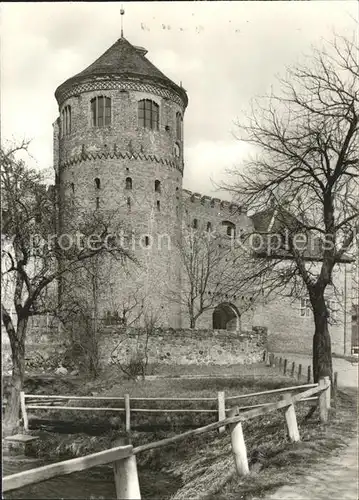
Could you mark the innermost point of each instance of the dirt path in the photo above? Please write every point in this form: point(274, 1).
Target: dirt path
point(347, 370)
point(334, 479)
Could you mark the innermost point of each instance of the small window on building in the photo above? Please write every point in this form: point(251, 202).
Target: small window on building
point(128, 183)
point(332, 307)
point(66, 121)
point(148, 114)
point(101, 111)
point(209, 227)
point(230, 228)
point(179, 123)
point(97, 202)
point(177, 150)
point(305, 308)
point(157, 186)
point(158, 205)
point(195, 224)
point(147, 241)
point(97, 183)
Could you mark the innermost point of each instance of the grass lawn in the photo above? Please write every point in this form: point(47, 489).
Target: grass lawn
point(202, 466)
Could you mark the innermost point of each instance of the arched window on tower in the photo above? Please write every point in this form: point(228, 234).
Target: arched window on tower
point(97, 183)
point(209, 227)
point(66, 121)
point(179, 125)
point(195, 224)
point(230, 228)
point(101, 111)
point(177, 150)
point(128, 183)
point(157, 186)
point(148, 114)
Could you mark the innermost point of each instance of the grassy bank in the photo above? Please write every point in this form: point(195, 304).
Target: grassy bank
point(203, 466)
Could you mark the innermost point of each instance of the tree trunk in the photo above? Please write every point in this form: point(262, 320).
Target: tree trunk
point(192, 322)
point(12, 411)
point(322, 351)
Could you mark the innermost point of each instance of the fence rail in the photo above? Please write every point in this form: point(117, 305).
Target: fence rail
point(275, 361)
point(124, 457)
point(53, 402)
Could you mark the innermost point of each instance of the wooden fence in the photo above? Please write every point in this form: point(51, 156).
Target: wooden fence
point(291, 369)
point(53, 402)
point(124, 457)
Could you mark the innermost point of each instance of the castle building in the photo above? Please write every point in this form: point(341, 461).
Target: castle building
point(118, 148)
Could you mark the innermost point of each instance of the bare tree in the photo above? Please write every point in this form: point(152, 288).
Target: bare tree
point(32, 267)
point(306, 159)
point(210, 271)
point(137, 364)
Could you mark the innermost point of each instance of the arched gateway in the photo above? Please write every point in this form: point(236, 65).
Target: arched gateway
point(226, 317)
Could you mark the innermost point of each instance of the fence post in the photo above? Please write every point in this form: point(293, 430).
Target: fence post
point(309, 375)
point(299, 371)
point(221, 409)
point(293, 369)
point(23, 411)
point(323, 399)
point(128, 413)
point(239, 447)
point(285, 367)
point(126, 476)
point(291, 420)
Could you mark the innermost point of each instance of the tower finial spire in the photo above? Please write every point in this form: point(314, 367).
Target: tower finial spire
point(122, 11)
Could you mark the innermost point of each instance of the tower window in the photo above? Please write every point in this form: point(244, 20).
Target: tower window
point(195, 224)
point(97, 183)
point(177, 150)
point(72, 187)
point(129, 203)
point(128, 183)
point(66, 120)
point(97, 202)
point(209, 227)
point(230, 228)
point(148, 114)
point(158, 205)
point(147, 241)
point(158, 186)
point(101, 111)
point(179, 124)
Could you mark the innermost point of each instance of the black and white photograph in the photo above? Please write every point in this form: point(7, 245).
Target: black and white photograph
point(180, 250)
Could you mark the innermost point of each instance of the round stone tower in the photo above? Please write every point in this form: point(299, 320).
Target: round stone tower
point(118, 149)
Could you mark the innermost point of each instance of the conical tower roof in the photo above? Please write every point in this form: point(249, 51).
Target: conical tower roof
point(122, 60)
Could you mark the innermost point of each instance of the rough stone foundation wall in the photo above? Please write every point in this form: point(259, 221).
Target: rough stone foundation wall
point(184, 347)
point(165, 346)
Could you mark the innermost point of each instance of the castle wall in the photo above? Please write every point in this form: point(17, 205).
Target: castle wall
point(165, 346)
point(288, 331)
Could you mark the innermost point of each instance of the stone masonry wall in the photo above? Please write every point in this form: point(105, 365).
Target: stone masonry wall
point(166, 346)
point(186, 346)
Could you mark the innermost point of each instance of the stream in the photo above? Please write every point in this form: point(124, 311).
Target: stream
point(96, 483)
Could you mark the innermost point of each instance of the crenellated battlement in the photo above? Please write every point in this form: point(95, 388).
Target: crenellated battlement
point(215, 203)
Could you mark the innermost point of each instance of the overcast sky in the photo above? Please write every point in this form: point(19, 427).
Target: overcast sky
point(225, 53)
